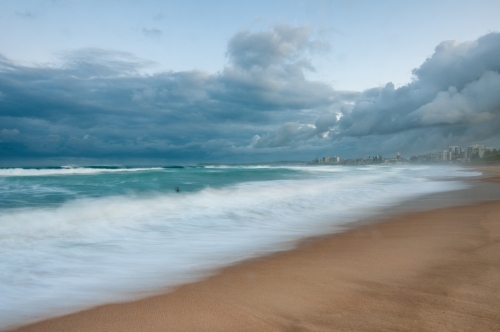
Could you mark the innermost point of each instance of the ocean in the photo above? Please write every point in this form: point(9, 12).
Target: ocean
point(76, 237)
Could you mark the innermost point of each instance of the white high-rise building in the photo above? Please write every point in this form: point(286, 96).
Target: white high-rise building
point(455, 150)
point(481, 149)
point(446, 155)
point(474, 150)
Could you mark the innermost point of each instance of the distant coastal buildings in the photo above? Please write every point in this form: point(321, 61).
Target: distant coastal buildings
point(452, 154)
point(357, 161)
point(460, 154)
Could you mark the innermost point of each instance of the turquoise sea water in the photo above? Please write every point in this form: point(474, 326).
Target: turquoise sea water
point(74, 237)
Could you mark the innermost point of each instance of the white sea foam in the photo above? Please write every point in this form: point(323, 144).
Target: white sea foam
point(92, 251)
point(68, 171)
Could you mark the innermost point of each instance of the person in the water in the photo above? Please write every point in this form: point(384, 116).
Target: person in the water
point(177, 189)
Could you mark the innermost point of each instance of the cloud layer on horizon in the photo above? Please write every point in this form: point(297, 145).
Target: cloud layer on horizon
point(260, 106)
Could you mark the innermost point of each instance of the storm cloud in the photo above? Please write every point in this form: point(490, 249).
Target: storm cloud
point(458, 85)
point(453, 99)
point(98, 104)
point(260, 106)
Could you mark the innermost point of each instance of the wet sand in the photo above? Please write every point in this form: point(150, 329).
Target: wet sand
point(433, 270)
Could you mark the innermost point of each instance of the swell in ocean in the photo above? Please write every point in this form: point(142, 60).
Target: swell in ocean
point(72, 238)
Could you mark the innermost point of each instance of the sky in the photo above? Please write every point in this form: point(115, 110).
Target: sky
point(164, 82)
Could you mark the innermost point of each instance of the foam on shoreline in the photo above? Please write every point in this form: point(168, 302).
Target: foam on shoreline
point(145, 267)
point(429, 271)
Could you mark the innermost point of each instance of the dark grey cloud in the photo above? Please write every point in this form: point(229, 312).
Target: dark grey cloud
point(293, 134)
point(9, 132)
point(290, 134)
point(325, 123)
point(283, 43)
point(458, 85)
point(98, 104)
point(453, 99)
point(261, 106)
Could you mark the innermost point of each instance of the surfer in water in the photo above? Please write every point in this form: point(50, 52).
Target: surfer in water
point(177, 189)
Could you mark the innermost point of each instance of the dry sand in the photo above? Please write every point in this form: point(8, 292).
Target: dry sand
point(426, 271)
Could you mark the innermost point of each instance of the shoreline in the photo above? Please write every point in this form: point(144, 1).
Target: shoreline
point(323, 277)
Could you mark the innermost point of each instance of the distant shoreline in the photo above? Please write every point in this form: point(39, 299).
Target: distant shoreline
point(477, 163)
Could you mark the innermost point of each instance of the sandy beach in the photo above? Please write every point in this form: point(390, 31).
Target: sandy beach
point(435, 270)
